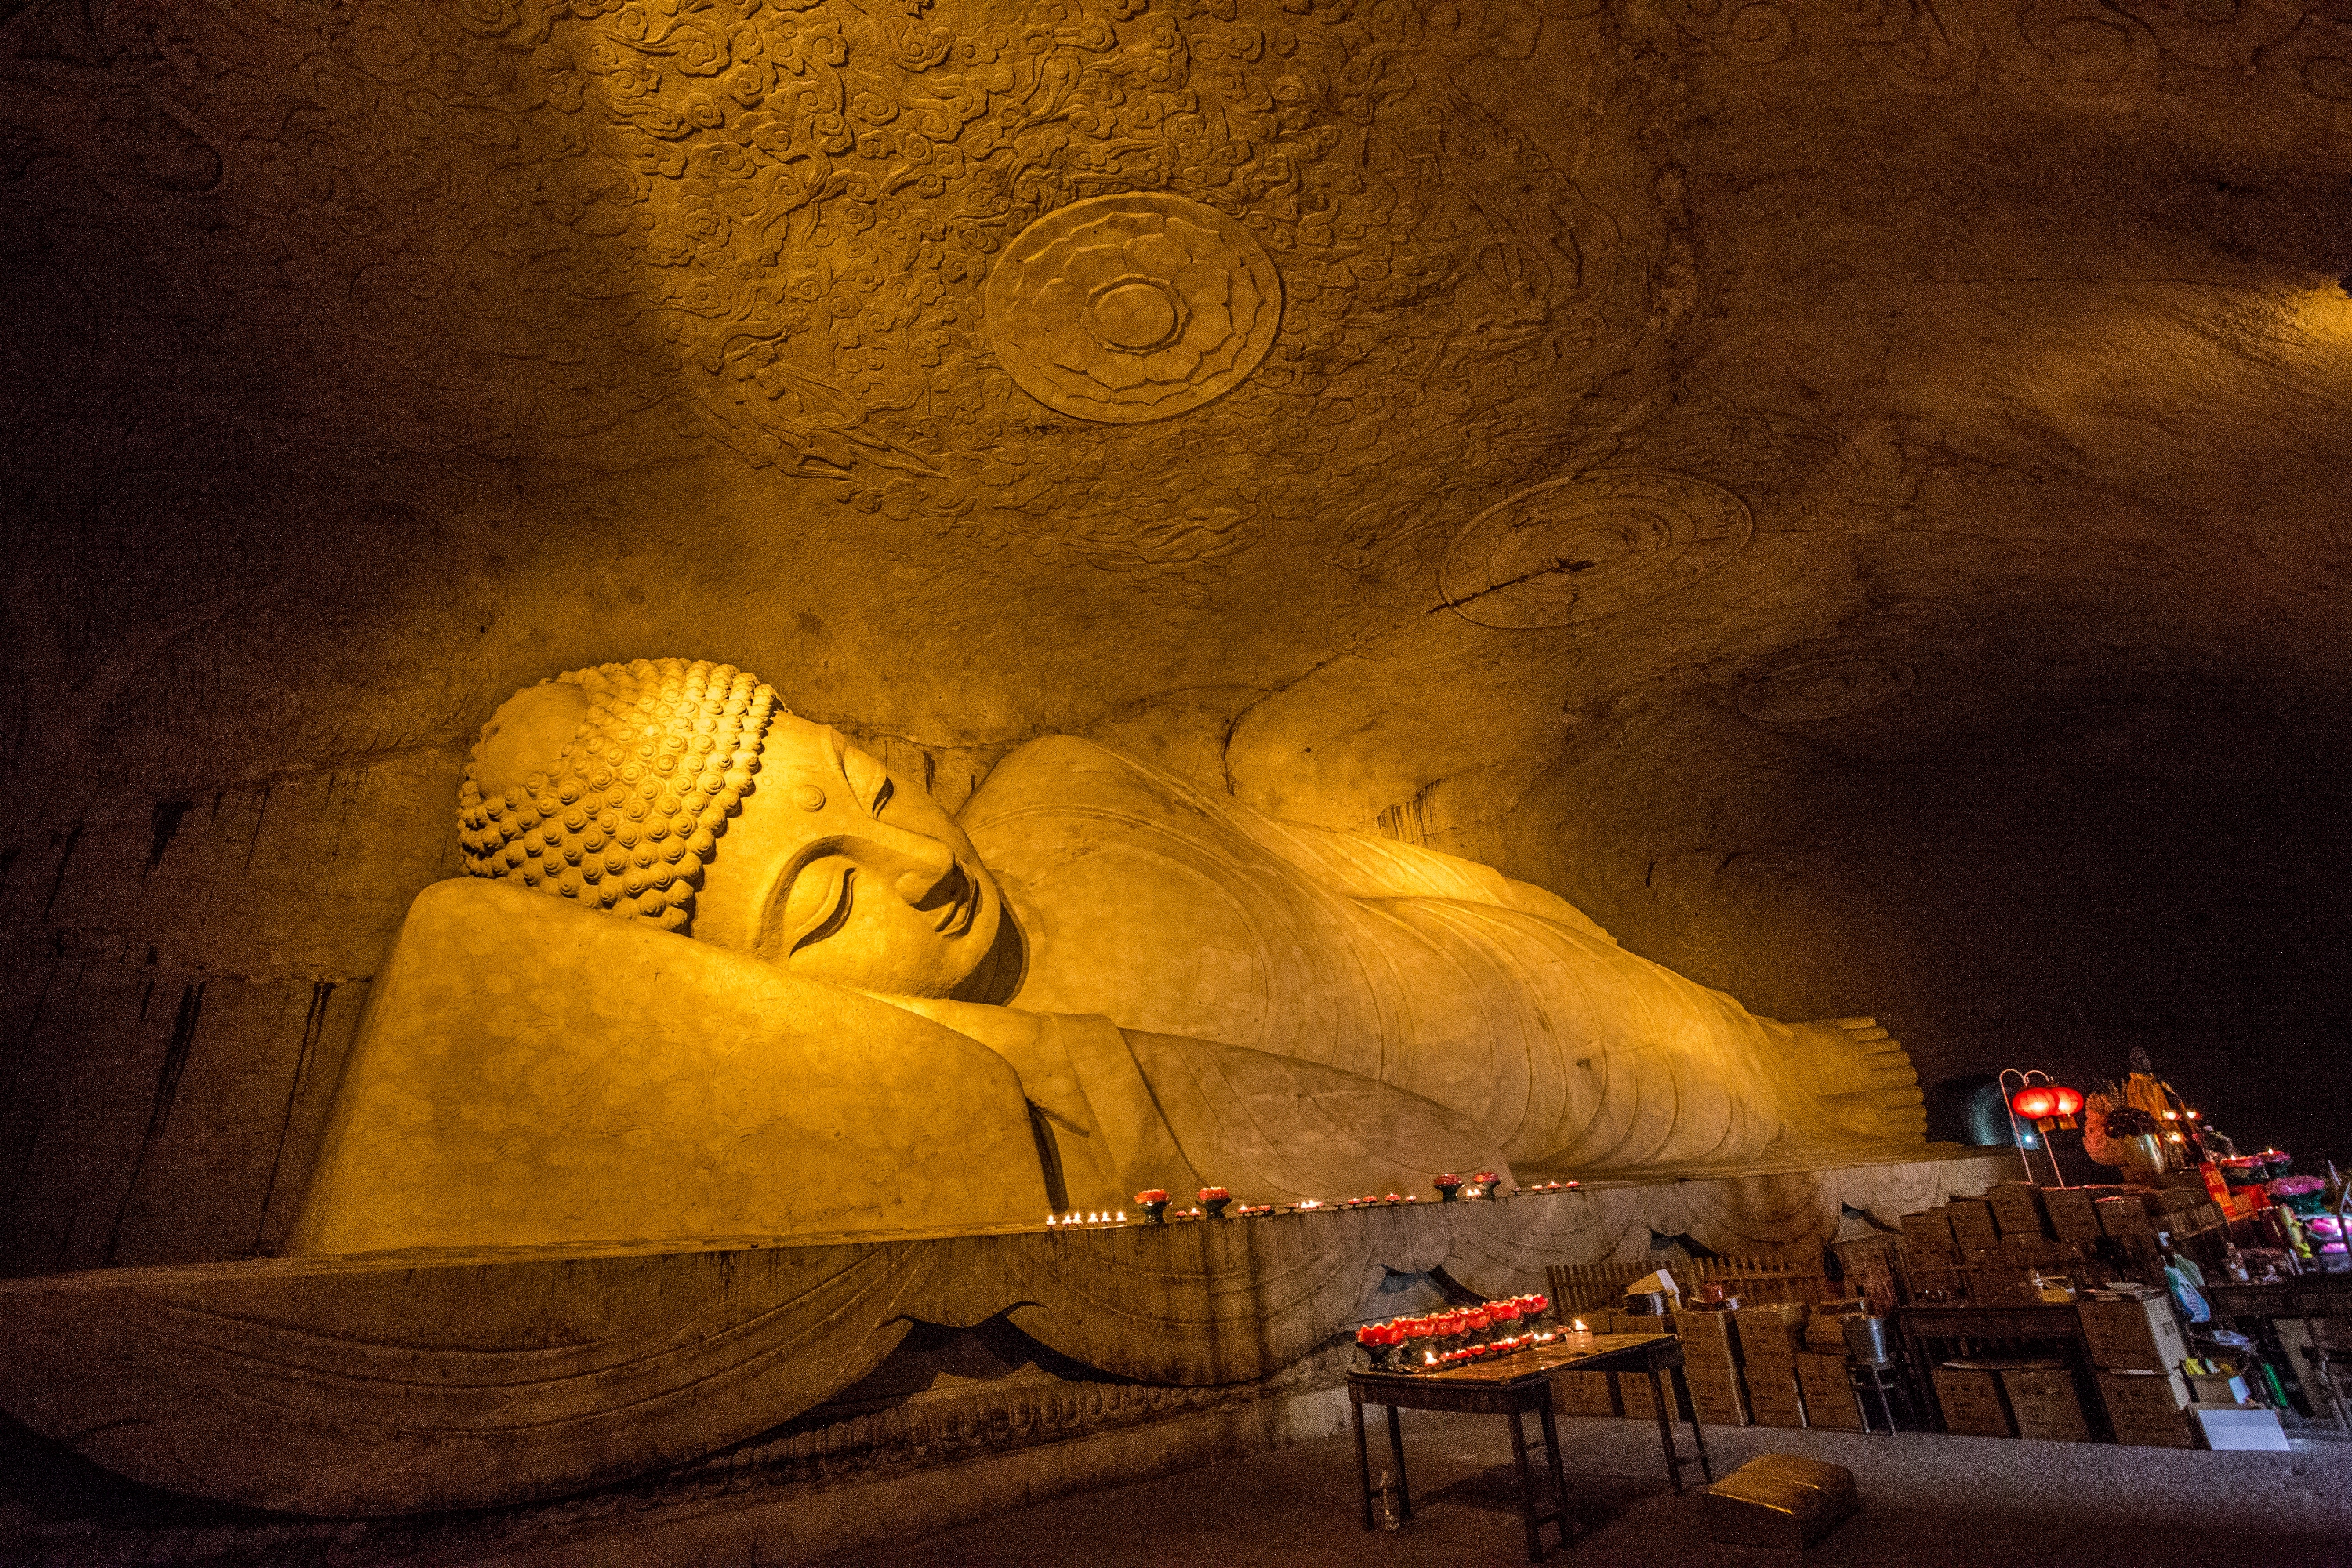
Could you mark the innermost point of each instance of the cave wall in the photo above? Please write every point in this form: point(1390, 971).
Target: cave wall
point(1852, 500)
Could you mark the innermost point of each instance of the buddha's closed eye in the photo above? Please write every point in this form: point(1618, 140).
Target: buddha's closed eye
point(869, 783)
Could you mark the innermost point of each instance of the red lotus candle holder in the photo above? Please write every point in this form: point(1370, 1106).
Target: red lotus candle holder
point(1457, 1336)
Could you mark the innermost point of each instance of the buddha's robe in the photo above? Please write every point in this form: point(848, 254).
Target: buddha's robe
point(1176, 911)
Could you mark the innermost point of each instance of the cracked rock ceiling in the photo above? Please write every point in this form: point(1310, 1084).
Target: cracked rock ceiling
point(1852, 495)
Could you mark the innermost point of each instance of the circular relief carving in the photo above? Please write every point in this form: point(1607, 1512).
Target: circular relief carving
point(1579, 548)
point(1133, 307)
point(1828, 688)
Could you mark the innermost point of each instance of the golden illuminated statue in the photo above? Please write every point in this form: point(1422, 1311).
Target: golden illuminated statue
point(718, 973)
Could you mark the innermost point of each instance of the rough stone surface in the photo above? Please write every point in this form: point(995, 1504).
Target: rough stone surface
point(366, 362)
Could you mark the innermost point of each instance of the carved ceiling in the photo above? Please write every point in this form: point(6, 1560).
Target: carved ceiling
point(1844, 491)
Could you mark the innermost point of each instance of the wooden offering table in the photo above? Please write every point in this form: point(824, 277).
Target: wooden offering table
point(2305, 1296)
point(1514, 1385)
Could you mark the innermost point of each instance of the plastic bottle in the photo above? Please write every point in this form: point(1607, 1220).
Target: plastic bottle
point(2297, 1238)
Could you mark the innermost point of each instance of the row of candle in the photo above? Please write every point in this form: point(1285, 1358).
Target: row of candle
point(1154, 1201)
point(1435, 1341)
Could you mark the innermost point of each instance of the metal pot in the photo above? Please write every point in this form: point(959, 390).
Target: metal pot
point(1865, 1339)
point(2144, 1160)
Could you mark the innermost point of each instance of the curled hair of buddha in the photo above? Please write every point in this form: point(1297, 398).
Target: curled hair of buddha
point(628, 815)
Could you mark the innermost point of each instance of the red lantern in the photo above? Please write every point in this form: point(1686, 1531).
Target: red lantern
point(2070, 1102)
point(2036, 1101)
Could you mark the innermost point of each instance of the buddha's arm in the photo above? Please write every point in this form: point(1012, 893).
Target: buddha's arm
point(1129, 1111)
point(533, 1073)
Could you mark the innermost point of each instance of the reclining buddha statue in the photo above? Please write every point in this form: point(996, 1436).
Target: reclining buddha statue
point(716, 973)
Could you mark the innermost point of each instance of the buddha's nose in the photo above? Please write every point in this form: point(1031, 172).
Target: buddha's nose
point(934, 880)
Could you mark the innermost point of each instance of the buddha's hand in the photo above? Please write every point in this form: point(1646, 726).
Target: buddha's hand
point(1862, 1076)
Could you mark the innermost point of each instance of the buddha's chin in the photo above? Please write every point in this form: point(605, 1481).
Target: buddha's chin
point(901, 951)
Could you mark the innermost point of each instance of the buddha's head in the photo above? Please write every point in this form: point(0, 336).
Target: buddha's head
point(683, 795)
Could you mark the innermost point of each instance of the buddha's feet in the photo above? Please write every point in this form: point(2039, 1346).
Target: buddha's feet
point(1864, 1078)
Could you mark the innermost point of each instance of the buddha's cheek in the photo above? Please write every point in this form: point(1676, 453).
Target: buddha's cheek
point(883, 945)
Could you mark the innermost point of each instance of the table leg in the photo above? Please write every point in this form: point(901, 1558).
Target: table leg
point(1396, 1452)
point(1663, 1398)
point(1698, 1433)
point(1363, 1461)
point(1558, 1481)
point(2324, 1385)
point(1526, 1490)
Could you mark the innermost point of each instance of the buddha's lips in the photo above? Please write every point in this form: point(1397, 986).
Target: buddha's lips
point(963, 909)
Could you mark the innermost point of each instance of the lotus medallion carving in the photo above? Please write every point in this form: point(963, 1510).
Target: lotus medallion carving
point(1132, 307)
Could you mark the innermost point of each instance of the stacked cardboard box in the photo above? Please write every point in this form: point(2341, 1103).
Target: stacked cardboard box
point(1927, 1239)
point(2045, 1404)
point(2136, 1344)
point(2125, 1217)
point(2018, 1209)
point(1718, 1394)
point(2147, 1409)
point(2219, 1388)
point(1638, 1402)
point(2035, 1251)
point(1711, 1366)
point(1997, 1283)
point(1972, 1397)
point(2073, 1215)
point(1828, 1389)
point(2133, 1333)
point(1586, 1393)
point(1826, 1328)
point(1935, 1281)
point(1774, 1399)
point(1973, 1231)
point(1773, 1330)
point(1770, 1337)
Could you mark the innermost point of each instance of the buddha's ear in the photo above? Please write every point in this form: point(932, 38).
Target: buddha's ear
point(528, 733)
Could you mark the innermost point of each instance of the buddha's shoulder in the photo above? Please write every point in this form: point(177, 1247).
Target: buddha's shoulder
point(1070, 775)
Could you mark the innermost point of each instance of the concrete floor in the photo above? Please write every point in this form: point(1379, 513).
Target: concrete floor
point(1928, 1502)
